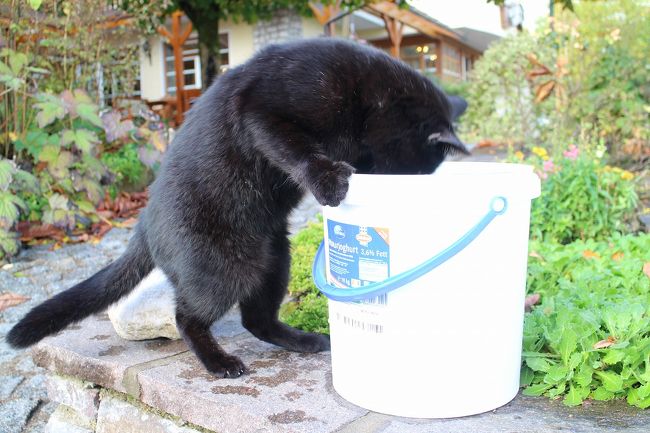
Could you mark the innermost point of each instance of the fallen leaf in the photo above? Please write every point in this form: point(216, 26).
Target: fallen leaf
point(646, 269)
point(588, 254)
point(531, 300)
point(30, 231)
point(11, 299)
point(536, 255)
point(617, 256)
point(127, 223)
point(602, 344)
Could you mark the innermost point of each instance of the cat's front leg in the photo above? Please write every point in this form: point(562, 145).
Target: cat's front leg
point(328, 180)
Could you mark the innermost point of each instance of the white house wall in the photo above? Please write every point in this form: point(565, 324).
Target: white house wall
point(152, 70)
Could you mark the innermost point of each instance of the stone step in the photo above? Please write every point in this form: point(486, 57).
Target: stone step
point(112, 385)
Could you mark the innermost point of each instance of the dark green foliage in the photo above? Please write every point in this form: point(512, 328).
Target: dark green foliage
point(125, 164)
point(308, 309)
point(583, 199)
point(590, 337)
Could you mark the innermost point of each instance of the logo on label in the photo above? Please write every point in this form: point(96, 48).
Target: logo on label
point(338, 231)
point(363, 237)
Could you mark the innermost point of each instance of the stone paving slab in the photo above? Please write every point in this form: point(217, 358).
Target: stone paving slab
point(92, 351)
point(285, 391)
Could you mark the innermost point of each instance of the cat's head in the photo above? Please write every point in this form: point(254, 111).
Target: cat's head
point(412, 133)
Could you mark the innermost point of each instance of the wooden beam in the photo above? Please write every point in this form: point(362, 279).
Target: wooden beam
point(395, 31)
point(178, 65)
point(411, 19)
point(176, 39)
point(439, 59)
point(324, 14)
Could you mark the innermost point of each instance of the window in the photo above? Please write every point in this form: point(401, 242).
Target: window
point(421, 57)
point(192, 63)
point(451, 64)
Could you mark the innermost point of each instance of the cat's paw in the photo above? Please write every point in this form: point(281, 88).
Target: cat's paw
point(328, 180)
point(313, 342)
point(228, 367)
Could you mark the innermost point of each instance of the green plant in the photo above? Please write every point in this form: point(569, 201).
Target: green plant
point(579, 77)
point(590, 336)
point(308, 309)
point(501, 99)
point(125, 164)
point(12, 181)
point(582, 198)
point(64, 149)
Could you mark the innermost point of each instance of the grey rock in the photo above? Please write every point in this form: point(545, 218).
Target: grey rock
point(149, 311)
point(645, 221)
point(15, 413)
point(118, 416)
point(8, 384)
point(81, 396)
point(63, 420)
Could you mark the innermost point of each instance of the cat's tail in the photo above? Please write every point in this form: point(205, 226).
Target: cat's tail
point(88, 297)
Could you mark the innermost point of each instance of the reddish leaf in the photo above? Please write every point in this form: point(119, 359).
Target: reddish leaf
point(537, 73)
point(531, 300)
point(532, 58)
point(11, 299)
point(588, 254)
point(646, 269)
point(544, 90)
point(30, 231)
point(602, 344)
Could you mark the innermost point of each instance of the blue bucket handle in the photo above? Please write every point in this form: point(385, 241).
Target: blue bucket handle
point(498, 206)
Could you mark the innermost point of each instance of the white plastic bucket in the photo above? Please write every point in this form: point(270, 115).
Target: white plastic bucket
point(447, 344)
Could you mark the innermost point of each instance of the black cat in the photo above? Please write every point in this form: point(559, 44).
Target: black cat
point(296, 117)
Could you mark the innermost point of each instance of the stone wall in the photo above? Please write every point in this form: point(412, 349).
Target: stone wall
point(286, 25)
point(86, 408)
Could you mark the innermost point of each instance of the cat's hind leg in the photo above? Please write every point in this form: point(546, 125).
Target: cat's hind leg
point(260, 310)
point(194, 322)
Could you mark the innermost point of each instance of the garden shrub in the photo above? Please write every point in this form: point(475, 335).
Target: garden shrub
point(501, 99)
point(125, 164)
point(308, 309)
point(582, 197)
point(590, 336)
point(580, 78)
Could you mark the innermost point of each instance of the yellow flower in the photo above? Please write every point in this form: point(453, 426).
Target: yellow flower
point(13, 136)
point(519, 155)
point(541, 152)
point(626, 175)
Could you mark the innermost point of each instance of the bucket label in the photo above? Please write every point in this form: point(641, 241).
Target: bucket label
point(358, 255)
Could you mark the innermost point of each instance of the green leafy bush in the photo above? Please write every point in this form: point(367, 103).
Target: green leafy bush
point(579, 77)
point(126, 165)
point(582, 198)
point(12, 181)
point(501, 99)
point(308, 309)
point(590, 336)
point(64, 149)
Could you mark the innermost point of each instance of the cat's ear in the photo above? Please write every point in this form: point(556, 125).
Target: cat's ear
point(458, 106)
point(449, 141)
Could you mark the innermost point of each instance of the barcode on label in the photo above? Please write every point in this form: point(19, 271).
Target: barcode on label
point(379, 300)
point(358, 324)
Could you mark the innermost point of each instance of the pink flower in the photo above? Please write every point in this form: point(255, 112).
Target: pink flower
point(548, 166)
point(572, 153)
point(541, 174)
